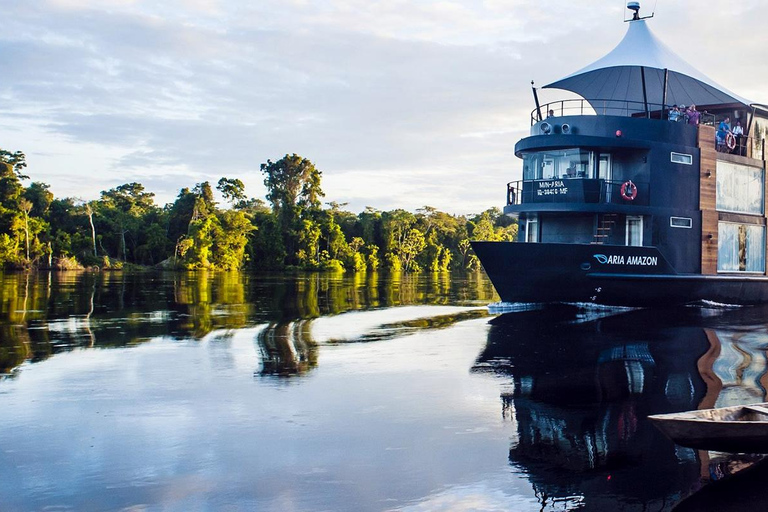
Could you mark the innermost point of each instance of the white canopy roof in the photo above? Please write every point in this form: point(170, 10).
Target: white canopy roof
point(617, 76)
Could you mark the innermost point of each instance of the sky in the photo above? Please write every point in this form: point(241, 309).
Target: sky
point(400, 104)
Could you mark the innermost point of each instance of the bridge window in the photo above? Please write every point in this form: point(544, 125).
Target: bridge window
point(558, 164)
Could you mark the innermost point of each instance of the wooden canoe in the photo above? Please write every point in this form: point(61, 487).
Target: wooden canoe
point(737, 429)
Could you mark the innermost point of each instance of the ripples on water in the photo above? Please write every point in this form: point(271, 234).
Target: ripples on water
point(316, 392)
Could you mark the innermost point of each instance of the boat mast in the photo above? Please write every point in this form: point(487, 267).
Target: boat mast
point(635, 6)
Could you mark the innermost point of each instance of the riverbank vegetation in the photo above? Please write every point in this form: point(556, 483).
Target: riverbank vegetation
point(293, 229)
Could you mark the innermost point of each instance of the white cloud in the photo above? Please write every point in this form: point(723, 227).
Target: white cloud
point(428, 96)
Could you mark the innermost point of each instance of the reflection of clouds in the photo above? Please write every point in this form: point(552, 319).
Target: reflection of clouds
point(357, 325)
point(487, 497)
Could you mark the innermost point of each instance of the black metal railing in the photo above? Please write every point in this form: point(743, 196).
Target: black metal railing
point(578, 190)
point(744, 145)
point(620, 108)
point(741, 145)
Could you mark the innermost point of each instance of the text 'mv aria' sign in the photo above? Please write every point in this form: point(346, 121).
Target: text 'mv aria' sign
point(562, 191)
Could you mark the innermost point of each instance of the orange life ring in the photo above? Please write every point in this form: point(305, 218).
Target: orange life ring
point(730, 141)
point(629, 190)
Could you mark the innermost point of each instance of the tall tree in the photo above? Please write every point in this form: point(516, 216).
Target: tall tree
point(233, 190)
point(26, 207)
point(123, 208)
point(293, 185)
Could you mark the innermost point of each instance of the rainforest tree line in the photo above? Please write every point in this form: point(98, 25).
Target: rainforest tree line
point(294, 228)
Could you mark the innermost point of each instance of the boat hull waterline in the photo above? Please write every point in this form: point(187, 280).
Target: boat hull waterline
point(606, 274)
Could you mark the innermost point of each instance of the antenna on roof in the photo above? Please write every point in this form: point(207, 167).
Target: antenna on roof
point(635, 6)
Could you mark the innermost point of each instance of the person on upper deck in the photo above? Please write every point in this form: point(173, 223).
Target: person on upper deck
point(693, 115)
point(551, 113)
point(738, 132)
point(674, 113)
point(723, 129)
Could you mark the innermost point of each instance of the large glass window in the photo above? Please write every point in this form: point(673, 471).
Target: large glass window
point(739, 188)
point(558, 164)
point(740, 247)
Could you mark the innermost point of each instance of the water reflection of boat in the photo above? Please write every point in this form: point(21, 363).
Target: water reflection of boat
point(738, 429)
point(581, 392)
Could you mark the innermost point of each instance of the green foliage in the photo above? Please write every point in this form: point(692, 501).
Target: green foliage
point(124, 227)
point(233, 190)
point(372, 259)
point(308, 253)
point(293, 185)
point(231, 239)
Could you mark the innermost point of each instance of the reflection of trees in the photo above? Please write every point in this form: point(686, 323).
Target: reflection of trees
point(45, 313)
point(287, 348)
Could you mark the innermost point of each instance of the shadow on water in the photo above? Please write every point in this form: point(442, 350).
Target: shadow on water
point(580, 392)
point(744, 490)
point(42, 314)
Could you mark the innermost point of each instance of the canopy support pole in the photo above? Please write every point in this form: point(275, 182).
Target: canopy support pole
point(645, 93)
point(664, 95)
point(751, 118)
point(536, 100)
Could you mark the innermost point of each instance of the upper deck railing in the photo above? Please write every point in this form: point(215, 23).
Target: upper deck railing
point(744, 145)
point(620, 108)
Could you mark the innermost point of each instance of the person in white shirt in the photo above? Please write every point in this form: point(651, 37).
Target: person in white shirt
point(738, 132)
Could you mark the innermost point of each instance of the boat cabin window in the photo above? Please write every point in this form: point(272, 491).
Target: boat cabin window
point(532, 229)
point(634, 236)
point(681, 222)
point(681, 158)
point(740, 188)
point(558, 164)
point(740, 247)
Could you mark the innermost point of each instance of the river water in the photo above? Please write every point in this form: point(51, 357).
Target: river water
point(198, 391)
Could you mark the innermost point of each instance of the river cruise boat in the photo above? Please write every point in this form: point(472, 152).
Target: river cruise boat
point(626, 199)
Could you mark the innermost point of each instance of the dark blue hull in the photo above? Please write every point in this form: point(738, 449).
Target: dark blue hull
point(605, 274)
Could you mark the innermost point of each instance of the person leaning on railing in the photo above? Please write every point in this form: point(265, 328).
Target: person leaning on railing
point(723, 129)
